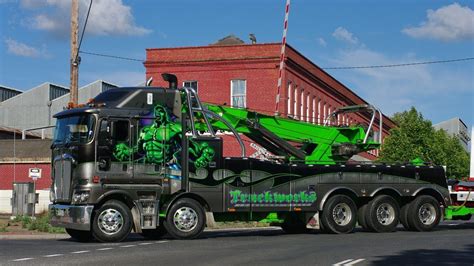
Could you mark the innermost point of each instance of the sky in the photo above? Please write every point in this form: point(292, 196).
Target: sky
point(35, 44)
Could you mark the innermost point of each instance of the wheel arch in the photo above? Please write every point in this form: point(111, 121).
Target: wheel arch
point(430, 192)
point(389, 191)
point(338, 190)
point(190, 195)
point(119, 195)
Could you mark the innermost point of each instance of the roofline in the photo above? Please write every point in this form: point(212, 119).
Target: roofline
point(211, 46)
point(34, 88)
point(83, 87)
point(10, 88)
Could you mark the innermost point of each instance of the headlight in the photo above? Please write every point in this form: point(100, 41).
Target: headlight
point(80, 197)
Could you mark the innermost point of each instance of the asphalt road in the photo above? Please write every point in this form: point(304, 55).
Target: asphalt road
point(451, 244)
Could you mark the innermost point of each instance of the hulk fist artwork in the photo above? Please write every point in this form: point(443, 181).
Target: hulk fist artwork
point(160, 143)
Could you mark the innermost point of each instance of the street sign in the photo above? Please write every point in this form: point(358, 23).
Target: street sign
point(34, 173)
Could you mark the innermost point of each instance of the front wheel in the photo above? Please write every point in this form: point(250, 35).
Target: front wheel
point(339, 215)
point(186, 219)
point(112, 222)
point(424, 213)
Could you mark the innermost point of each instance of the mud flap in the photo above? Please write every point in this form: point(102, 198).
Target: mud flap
point(210, 222)
point(312, 221)
point(136, 220)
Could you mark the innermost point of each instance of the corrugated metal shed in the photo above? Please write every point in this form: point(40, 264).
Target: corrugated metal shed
point(7, 93)
point(36, 107)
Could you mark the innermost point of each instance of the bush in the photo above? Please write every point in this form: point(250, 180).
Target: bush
point(39, 223)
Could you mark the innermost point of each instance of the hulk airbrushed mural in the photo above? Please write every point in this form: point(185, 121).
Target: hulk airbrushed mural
point(159, 143)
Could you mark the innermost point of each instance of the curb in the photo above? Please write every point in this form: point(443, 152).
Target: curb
point(33, 237)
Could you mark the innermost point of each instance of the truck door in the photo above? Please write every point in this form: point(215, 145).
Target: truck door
point(114, 150)
point(204, 169)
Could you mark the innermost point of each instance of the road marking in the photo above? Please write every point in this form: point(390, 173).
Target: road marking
point(144, 244)
point(348, 262)
point(354, 262)
point(23, 259)
point(52, 255)
point(162, 241)
point(452, 224)
point(342, 262)
point(80, 252)
point(101, 249)
point(128, 246)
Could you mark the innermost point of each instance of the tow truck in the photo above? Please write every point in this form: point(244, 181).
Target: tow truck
point(150, 159)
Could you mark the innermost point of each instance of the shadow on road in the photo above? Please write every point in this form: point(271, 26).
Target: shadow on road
point(429, 257)
point(134, 237)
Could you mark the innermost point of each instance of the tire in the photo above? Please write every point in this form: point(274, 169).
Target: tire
point(361, 213)
point(339, 215)
point(186, 219)
point(404, 217)
point(382, 214)
point(157, 233)
point(424, 213)
point(79, 235)
point(112, 222)
point(293, 224)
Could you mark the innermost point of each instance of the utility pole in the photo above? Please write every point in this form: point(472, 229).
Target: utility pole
point(74, 52)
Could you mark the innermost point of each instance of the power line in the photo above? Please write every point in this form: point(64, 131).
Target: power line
point(112, 56)
point(404, 64)
point(326, 68)
point(84, 29)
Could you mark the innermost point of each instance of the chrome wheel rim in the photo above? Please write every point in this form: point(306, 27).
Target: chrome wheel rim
point(385, 214)
point(342, 214)
point(110, 221)
point(185, 219)
point(427, 214)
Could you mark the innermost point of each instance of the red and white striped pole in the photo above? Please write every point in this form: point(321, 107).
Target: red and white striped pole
point(282, 57)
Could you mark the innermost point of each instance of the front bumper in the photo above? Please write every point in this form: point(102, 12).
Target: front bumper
point(71, 216)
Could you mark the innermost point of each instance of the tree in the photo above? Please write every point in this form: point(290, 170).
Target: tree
point(416, 138)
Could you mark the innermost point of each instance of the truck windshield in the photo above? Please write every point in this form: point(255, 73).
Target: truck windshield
point(74, 129)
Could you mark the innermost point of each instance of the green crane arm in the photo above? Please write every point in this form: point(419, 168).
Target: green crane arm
point(296, 140)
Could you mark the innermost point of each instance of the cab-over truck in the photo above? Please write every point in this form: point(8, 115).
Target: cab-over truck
point(150, 159)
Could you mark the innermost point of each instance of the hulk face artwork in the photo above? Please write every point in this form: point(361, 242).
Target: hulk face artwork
point(160, 143)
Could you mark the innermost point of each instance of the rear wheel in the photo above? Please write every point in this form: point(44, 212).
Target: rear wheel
point(382, 214)
point(424, 213)
point(293, 224)
point(404, 217)
point(185, 219)
point(79, 235)
point(339, 215)
point(112, 222)
point(361, 213)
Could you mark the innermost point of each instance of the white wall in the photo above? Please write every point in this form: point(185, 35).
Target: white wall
point(5, 203)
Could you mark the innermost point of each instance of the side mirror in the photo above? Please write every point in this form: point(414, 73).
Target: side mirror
point(104, 163)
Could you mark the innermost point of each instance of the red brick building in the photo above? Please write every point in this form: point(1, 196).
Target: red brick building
point(246, 75)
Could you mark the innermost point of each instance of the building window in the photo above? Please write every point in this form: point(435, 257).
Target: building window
point(308, 117)
point(302, 116)
point(238, 93)
point(290, 99)
point(295, 102)
point(191, 84)
point(313, 119)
